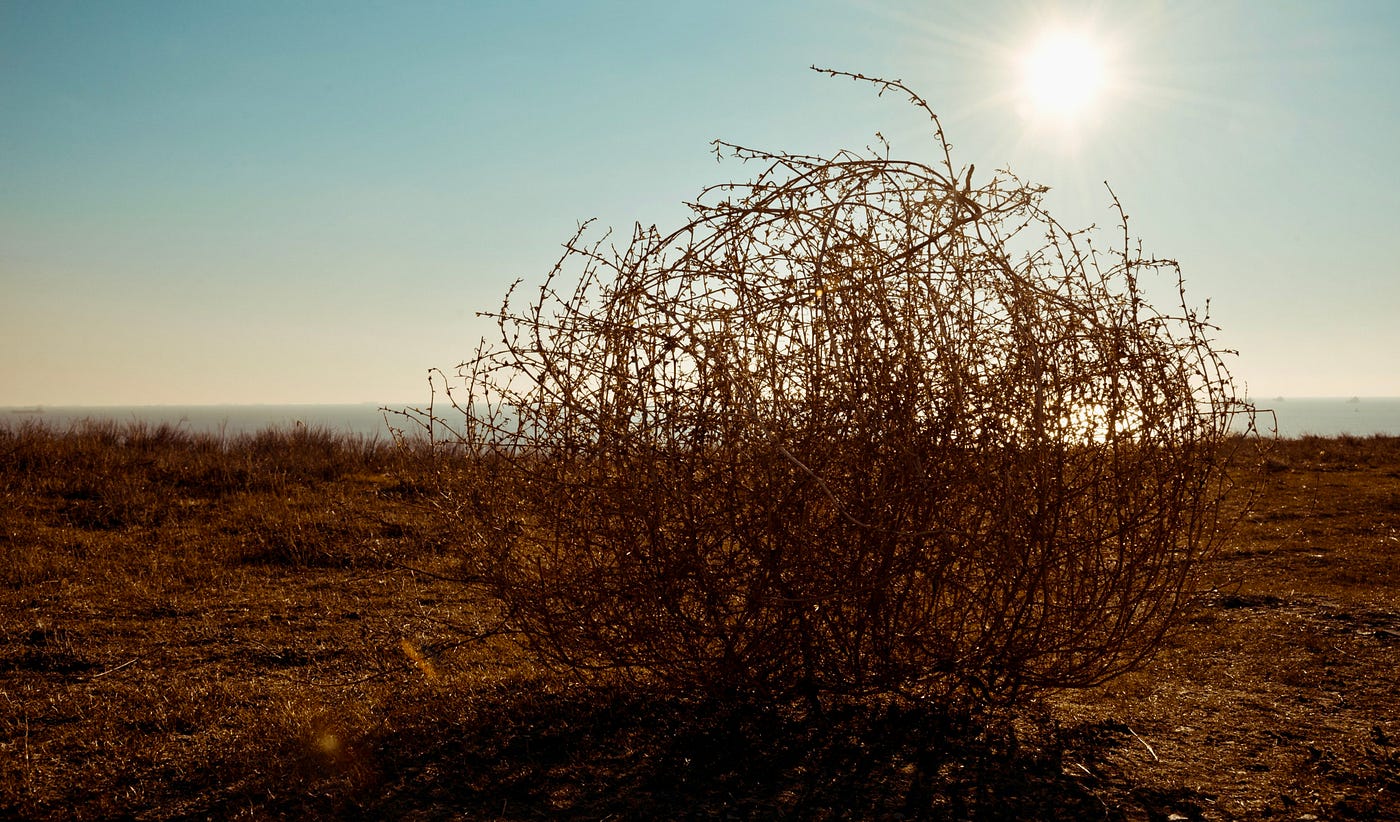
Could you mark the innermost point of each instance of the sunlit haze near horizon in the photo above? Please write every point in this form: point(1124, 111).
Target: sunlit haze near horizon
point(307, 203)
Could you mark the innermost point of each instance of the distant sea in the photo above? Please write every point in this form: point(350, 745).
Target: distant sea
point(1323, 416)
point(1331, 416)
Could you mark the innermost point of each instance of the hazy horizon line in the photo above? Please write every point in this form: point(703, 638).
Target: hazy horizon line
point(382, 404)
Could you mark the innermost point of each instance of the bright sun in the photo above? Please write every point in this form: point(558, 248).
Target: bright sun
point(1062, 75)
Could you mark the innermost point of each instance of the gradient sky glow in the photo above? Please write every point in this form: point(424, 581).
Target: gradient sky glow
point(251, 202)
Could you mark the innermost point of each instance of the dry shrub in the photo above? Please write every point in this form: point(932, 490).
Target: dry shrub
point(863, 425)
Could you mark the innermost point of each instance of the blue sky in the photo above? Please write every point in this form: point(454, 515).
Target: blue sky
point(280, 202)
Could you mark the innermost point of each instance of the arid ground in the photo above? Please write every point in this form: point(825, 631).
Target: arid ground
point(271, 628)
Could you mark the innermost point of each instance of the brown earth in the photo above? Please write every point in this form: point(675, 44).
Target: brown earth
point(269, 629)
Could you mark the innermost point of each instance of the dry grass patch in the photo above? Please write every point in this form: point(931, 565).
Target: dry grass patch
point(154, 671)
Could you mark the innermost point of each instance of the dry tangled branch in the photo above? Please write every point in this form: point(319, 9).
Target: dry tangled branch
point(863, 424)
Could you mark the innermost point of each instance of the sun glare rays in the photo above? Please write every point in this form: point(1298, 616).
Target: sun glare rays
point(1063, 74)
point(1068, 97)
point(1051, 85)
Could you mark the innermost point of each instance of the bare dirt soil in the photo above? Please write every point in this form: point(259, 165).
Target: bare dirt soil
point(271, 631)
point(1282, 699)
